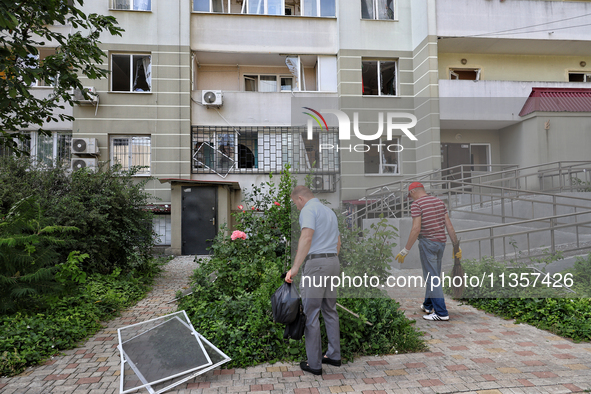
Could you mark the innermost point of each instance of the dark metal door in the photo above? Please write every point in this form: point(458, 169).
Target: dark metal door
point(199, 218)
point(454, 155)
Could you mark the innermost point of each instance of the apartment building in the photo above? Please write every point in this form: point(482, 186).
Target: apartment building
point(213, 95)
point(514, 82)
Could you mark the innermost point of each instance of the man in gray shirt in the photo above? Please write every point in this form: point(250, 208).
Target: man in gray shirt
point(319, 245)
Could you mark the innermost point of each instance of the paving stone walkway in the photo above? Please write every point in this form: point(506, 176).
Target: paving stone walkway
point(474, 352)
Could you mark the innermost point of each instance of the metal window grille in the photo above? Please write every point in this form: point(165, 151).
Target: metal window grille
point(254, 150)
point(130, 151)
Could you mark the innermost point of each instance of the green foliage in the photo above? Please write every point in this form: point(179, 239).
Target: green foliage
point(29, 337)
point(581, 186)
point(106, 206)
point(545, 307)
point(231, 300)
point(25, 26)
point(28, 254)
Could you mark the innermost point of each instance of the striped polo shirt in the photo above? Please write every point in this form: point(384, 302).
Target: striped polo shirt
point(432, 211)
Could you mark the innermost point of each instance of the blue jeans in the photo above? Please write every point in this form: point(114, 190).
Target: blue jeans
point(431, 256)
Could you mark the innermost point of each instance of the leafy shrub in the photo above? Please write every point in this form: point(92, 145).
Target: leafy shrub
point(27, 338)
point(28, 255)
point(231, 300)
point(106, 206)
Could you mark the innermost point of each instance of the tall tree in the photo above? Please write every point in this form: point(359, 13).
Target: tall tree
point(26, 26)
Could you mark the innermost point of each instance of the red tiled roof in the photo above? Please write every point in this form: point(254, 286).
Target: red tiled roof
point(557, 100)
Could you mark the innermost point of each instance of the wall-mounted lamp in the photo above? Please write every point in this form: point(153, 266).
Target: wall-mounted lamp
point(464, 61)
point(583, 64)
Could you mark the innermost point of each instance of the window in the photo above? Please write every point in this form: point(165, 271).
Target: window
point(318, 8)
point(208, 5)
point(579, 77)
point(267, 83)
point(467, 74)
point(224, 150)
point(382, 157)
point(377, 9)
point(131, 73)
point(131, 151)
point(136, 5)
point(46, 149)
point(379, 78)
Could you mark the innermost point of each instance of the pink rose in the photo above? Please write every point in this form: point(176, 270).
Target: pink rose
point(252, 208)
point(276, 203)
point(238, 234)
point(240, 207)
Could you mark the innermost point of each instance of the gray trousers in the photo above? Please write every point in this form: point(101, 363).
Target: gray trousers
point(317, 296)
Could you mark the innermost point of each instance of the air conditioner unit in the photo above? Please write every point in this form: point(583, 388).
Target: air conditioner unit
point(323, 183)
point(90, 92)
point(85, 146)
point(211, 98)
point(79, 163)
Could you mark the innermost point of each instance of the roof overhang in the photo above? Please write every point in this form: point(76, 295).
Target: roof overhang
point(232, 184)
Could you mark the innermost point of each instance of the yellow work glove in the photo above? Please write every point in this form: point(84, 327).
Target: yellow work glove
point(459, 254)
point(401, 256)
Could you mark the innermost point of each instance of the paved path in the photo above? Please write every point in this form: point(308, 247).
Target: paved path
point(473, 352)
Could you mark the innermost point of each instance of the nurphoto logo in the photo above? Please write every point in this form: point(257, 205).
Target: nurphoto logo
point(345, 129)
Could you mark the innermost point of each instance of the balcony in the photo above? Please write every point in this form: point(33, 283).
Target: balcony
point(487, 104)
point(514, 27)
point(249, 33)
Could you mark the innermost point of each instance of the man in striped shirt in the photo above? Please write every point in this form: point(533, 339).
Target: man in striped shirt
point(429, 222)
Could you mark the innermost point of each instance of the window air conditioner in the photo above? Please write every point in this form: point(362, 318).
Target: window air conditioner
point(211, 98)
point(85, 146)
point(79, 163)
point(91, 93)
point(323, 183)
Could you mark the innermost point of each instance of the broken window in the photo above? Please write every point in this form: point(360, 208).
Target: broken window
point(579, 77)
point(137, 5)
point(378, 78)
point(131, 73)
point(131, 151)
point(382, 157)
point(468, 74)
point(208, 5)
point(377, 9)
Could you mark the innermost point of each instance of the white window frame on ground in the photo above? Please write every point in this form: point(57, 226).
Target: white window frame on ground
point(136, 85)
point(453, 75)
point(131, 5)
point(373, 8)
point(379, 77)
point(586, 76)
point(132, 158)
point(481, 167)
point(259, 82)
point(389, 158)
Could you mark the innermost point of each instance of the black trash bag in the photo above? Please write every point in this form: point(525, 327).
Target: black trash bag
point(295, 330)
point(285, 305)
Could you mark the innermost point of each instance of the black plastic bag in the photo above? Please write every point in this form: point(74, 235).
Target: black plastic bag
point(285, 303)
point(295, 330)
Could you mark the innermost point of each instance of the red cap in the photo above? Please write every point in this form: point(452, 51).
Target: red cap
point(414, 185)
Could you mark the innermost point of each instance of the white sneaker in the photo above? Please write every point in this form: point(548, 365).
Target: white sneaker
point(435, 317)
point(425, 309)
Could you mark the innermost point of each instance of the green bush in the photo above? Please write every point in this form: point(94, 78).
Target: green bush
point(29, 337)
point(107, 206)
point(231, 300)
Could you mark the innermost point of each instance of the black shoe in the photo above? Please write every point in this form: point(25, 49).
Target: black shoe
point(326, 360)
point(305, 367)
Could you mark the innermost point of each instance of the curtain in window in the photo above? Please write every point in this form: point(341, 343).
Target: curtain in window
point(142, 5)
point(121, 4)
point(293, 63)
point(147, 63)
point(367, 9)
point(141, 153)
point(385, 9)
point(268, 83)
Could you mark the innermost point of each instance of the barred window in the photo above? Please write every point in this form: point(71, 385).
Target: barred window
point(225, 150)
point(130, 151)
point(45, 149)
